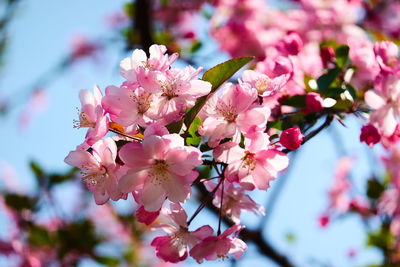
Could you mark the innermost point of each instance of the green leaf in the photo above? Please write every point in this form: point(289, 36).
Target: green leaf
point(19, 202)
point(325, 81)
point(382, 239)
point(37, 170)
point(342, 55)
point(343, 105)
point(297, 101)
point(196, 45)
point(194, 139)
point(175, 127)
point(39, 236)
point(108, 261)
point(216, 76)
point(352, 91)
point(130, 9)
point(274, 124)
point(374, 188)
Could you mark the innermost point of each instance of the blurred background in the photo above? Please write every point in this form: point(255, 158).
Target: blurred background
point(51, 50)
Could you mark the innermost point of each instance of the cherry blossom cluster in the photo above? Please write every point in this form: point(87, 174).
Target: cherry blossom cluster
point(152, 160)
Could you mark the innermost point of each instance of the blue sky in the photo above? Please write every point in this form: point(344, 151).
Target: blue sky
point(39, 38)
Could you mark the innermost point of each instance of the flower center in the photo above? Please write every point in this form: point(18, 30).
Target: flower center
point(84, 121)
point(249, 162)
point(227, 111)
point(159, 172)
point(92, 177)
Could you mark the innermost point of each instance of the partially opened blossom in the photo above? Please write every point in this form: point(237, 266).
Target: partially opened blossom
point(252, 167)
point(369, 135)
point(92, 115)
point(214, 247)
point(160, 167)
point(174, 247)
point(98, 169)
point(146, 217)
point(233, 113)
point(314, 102)
point(234, 201)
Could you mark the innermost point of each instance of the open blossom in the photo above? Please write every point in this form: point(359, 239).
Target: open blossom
point(253, 167)
point(145, 71)
point(387, 56)
point(264, 85)
point(179, 90)
point(214, 247)
point(385, 100)
point(98, 169)
point(174, 247)
point(233, 113)
point(235, 200)
point(92, 115)
point(160, 167)
point(130, 105)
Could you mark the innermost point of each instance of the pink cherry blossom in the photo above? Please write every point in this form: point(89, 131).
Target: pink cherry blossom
point(252, 167)
point(174, 247)
point(387, 56)
point(385, 101)
point(130, 105)
point(98, 169)
point(235, 200)
point(160, 167)
point(264, 85)
point(92, 115)
point(214, 247)
point(145, 71)
point(233, 113)
point(179, 90)
point(339, 192)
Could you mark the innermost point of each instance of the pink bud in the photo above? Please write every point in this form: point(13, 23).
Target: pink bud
point(369, 135)
point(314, 102)
point(291, 138)
point(323, 221)
point(293, 43)
point(146, 217)
point(327, 53)
point(283, 65)
point(189, 35)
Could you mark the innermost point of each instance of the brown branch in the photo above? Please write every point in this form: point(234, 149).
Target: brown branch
point(142, 23)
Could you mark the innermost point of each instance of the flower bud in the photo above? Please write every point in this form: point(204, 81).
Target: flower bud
point(293, 43)
point(369, 135)
point(314, 102)
point(327, 54)
point(291, 138)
